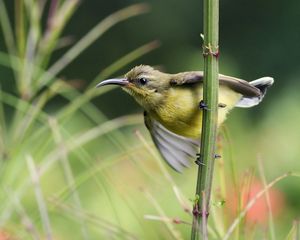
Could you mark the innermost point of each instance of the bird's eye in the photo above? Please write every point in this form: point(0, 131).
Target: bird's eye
point(143, 81)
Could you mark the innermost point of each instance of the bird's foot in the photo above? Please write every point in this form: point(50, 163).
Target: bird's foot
point(203, 105)
point(222, 105)
point(199, 160)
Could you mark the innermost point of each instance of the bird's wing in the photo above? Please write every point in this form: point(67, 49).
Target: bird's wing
point(241, 86)
point(175, 149)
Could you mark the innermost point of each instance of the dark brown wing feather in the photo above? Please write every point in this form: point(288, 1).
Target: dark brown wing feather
point(241, 86)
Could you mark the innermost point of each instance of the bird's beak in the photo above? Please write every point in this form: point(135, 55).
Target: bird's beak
point(118, 81)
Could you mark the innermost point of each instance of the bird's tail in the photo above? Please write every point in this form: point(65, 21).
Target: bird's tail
point(262, 84)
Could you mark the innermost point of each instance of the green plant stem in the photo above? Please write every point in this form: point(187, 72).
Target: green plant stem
point(20, 26)
point(210, 119)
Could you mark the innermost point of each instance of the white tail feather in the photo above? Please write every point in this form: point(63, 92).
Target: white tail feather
point(262, 84)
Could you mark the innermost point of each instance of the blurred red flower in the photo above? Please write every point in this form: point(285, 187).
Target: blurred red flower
point(4, 236)
point(259, 212)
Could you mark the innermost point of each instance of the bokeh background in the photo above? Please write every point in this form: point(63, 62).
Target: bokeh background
point(77, 162)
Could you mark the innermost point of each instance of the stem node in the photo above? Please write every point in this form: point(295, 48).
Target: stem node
point(209, 51)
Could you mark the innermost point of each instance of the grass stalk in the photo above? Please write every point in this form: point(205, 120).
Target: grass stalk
point(173, 231)
point(210, 117)
point(58, 138)
point(123, 61)
point(90, 38)
point(116, 232)
point(8, 36)
point(40, 198)
point(20, 29)
point(7, 30)
point(27, 222)
point(294, 232)
point(268, 200)
point(57, 20)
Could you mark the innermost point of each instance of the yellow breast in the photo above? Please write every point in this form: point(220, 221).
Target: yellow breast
point(181, 114)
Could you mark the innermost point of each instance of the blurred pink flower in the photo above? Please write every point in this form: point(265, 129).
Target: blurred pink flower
point(259, 212)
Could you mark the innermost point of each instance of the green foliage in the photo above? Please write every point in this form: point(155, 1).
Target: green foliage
point(37, 143)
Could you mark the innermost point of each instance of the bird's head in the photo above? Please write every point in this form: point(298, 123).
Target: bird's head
point(147, 85)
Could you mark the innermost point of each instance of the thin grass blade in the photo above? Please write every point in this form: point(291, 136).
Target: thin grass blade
point(125, 60)
point(39, 197)
point(91, 37)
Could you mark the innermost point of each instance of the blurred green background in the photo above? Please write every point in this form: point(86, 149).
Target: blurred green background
point(77, 162)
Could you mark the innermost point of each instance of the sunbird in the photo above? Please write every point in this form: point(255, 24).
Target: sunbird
point(171, 105)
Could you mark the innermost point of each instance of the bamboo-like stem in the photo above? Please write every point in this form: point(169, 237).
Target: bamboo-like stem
point(210, 118)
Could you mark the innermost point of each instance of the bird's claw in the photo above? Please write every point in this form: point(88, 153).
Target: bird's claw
point(203, 105)
point(222, 105)
point(199, 160)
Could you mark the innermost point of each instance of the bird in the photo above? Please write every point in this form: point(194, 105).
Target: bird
point(171, 105)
